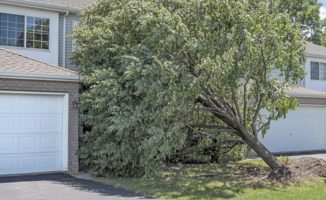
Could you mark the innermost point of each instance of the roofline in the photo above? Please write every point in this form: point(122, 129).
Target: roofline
point(315, 55)
point(298, 95)
point(45, 6)
point(45, 77)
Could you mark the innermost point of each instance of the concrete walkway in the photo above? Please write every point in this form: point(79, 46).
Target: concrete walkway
point(320, 156)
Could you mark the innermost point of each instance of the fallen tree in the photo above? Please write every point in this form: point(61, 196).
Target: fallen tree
point(149, 68)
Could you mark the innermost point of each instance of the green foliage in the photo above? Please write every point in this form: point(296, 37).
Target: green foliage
point(306, 14)
point(144, 64)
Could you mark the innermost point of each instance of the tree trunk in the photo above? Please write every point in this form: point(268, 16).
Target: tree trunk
point(262, 151)
point(248, 138)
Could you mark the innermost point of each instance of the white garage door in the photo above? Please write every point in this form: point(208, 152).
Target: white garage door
point(31, 133)
point(302, 130)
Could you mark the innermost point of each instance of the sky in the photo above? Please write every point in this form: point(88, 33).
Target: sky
point(323, 9)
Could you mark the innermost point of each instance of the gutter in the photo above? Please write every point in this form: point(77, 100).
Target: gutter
point(44, 77)
point(64, 39)
point(37, 5)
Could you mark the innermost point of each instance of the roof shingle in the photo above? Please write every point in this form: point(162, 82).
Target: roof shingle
point(315, 50)
point(64, 4)
point(14, 65)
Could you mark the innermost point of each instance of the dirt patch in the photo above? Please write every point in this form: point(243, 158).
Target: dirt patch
point(302, 168)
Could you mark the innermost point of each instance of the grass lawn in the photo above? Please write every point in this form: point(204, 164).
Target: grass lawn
point(194, 182)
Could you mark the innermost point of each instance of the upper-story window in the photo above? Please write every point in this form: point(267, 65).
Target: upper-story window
point(21, 31)
point(12, 30)
point(37, 33)
point(318, 71)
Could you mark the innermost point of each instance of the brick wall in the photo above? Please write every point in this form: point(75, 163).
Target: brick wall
point(54, 86)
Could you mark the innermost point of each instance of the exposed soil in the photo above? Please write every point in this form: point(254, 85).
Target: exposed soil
point(302, 168)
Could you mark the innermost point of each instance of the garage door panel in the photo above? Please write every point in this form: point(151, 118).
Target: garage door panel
point(302, 130)
point(51, 105)
point(51, 123)
point(7, 104)
point(301, 119)
point(7, 164)
point(28, 104)
point(295, 144)
point(290, 133)
point(50, 143)
point(30, 163)
point(19, 123)
point(7, 122)
point(31, 134)
point(28, 122)
point(50, 161)
point(27, 143)
point(7, 143)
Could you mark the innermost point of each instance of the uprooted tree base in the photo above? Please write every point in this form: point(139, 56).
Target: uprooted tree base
point(300, 169)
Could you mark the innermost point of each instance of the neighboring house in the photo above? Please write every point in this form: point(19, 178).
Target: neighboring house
point(305, 128)
point(38, 99)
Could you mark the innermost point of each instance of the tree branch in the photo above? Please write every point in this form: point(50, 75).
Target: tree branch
point(237, 107)
point(245, 101)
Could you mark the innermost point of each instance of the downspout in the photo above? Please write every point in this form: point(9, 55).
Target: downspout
point(64, 39)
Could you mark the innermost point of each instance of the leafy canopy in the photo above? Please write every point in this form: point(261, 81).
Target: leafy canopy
point(145, 63)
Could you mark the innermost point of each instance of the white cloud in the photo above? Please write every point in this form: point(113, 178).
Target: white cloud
point(322, 12)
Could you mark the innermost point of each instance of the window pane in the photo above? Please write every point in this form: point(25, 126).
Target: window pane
point(322, 68)
point(314, 71)
point(38, 21)
point(3, 17)
point(45, 37)
point(3, 33)
point(11, 42)
point(29, 44)
point(37, 44)
point(20, 19)
point(12, 30)
point(3, 41)
point(30, 20)
point(45, 45)
point(45, 22)
point(38, 32)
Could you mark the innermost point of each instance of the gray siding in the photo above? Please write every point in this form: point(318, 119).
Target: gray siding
point(60, 39)
point(69, 29)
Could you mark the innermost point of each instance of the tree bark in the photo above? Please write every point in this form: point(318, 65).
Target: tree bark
point(262, 151)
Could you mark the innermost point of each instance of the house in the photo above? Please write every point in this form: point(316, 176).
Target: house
point(305, 128)
point(38, 87)
point(39, 91)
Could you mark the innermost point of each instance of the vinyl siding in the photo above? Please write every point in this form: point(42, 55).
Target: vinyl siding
point(61, 16)
point(69, 29)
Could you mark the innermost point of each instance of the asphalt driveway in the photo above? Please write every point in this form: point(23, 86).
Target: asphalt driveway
point(60, 187)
